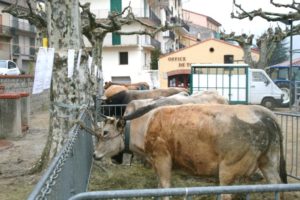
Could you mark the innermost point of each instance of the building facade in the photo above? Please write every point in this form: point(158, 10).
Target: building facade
point(175, 68)
point(201, 27)
point(17, 38)
point(127, 58)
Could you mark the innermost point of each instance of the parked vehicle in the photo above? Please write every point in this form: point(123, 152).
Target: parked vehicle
point(237, 82)
point(8, 67)
point(280, 75)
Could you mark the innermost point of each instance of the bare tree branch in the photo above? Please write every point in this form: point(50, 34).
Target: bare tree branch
point(294, 5)
point(34, 18)
point(269, 16)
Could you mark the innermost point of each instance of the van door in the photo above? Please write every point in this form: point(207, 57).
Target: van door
point(260, 86)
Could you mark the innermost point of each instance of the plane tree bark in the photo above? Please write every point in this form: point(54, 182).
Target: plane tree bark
point(64, 22)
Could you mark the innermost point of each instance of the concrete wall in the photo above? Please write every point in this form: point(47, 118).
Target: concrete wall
point(10, 115)
point(24, 83)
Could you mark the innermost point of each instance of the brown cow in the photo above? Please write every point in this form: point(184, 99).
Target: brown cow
point(230, 141)
point(130, 86)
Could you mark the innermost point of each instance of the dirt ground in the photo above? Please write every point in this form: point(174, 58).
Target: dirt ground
point(18, 155)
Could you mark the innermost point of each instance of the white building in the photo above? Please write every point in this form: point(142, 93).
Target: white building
point(127, 58)
point(17, 38)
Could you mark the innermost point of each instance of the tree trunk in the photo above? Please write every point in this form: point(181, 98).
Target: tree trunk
point(67, 94)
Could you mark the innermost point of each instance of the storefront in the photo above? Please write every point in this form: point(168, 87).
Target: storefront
point(174, 68)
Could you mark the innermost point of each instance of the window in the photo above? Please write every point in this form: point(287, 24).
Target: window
point(258, 77)
point(123, 58)
point(11, 65)
point(228, 59)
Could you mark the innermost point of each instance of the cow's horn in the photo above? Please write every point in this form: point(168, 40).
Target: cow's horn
point(83, 126)
point(104, 116)
point(103, 98)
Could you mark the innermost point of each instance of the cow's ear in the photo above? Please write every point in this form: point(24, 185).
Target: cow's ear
point(121, 123)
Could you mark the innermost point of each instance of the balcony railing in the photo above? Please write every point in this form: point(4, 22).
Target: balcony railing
point(138, 12)
point(133, 40)
point(177, 20)
point(126, 40)
point(23, 26)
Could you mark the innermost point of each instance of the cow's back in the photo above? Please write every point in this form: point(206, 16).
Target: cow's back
point(199, 137)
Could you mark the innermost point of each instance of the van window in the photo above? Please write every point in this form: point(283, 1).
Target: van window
point(258, 77)
point(11, 65)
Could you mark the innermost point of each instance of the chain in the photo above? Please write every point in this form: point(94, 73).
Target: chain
point(51, 181)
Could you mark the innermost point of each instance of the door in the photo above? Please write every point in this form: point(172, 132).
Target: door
point(260, 86)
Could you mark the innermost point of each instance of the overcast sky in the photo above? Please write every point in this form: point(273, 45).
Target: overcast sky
point(220, 11)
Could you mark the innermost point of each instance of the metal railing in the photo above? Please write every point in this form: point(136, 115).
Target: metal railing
point(297, 95)
point(290, 124)
point(188, 193)
point(69, 172)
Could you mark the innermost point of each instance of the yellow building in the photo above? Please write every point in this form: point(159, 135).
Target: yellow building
point(174, 68)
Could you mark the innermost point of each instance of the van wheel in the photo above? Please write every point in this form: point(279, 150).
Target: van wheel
point(285, 88)
point(269, 103)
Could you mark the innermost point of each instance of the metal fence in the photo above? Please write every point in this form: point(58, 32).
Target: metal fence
point(290, 124)
point(68, 175)
point(69, 172)
point(297, 96)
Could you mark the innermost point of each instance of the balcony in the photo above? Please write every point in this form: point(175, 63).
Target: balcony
point(5, 31)
point(138, 12)
point(133, 41)
point(180, 21)
point(23, 28)
point(126, 40)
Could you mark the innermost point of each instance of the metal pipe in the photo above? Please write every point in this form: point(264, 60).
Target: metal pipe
point(211, 190)
point(291, 63)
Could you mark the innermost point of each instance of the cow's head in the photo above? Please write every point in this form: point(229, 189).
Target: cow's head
point(110, 139)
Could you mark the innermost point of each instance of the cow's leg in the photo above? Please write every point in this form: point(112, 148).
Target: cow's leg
point(163, 167)
point(162, 164)
point(233, 166)
point(226, 177)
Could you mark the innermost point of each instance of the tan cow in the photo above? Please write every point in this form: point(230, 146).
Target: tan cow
point(230, 141)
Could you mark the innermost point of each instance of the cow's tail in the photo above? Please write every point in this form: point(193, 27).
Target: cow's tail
point(275, 132)
point(282, 162)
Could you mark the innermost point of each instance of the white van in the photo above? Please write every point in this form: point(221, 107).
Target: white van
point(236, 82)
point(8, 67)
